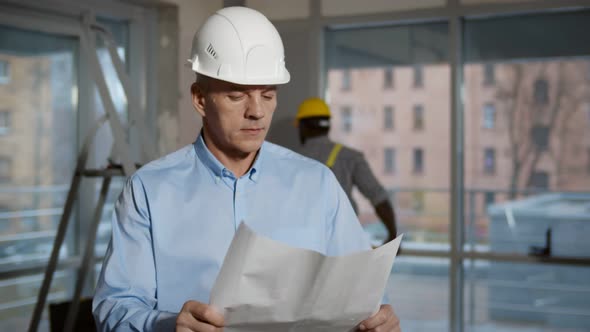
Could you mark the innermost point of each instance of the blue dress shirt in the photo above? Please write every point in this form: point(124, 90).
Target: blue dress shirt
point(176, 218)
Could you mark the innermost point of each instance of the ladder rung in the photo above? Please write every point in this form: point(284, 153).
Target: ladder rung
point(102, 172)
point(111, 170)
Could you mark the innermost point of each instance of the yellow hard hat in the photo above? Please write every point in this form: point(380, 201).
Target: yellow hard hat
point(312, 108)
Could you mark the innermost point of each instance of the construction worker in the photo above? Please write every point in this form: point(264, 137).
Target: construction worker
point(349, 166)
point(177, 216)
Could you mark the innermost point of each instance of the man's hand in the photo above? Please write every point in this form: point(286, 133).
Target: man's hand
point(198, 317)
point(385, 320)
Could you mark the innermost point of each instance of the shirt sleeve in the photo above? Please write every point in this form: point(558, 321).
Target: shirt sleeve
point(367, 183)
point(125, 295)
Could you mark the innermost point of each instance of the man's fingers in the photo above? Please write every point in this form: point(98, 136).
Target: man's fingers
point(377, 319)
point(204, 313)
point(390, 325)
point(186, 322)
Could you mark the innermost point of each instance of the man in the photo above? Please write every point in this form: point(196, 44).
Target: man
point(349, 166)
point(176, 217)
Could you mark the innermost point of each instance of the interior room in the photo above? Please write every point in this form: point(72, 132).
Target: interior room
point(473, 116)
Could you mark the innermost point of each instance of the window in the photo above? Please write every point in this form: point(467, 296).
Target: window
point(389, 160)
point(490, 198)
point(5, 169)
point(388, 117)
point(540, 136)
point(418, 161)
point(418, 76)
point(5, 122)
point(489, 116)
point(588, 161)
point(346, 115)
point(539, 180)
point(35, 186)
point(489, 75)
point(418, 117)
point(541, 91)
point(489, 161)
point(4, 72)
point(346, 80)
point(365, 51)
point(388, 78)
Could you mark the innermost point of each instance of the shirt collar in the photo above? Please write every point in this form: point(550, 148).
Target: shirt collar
point(216, 167)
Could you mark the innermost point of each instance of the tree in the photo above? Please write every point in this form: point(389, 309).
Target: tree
point(538, 100)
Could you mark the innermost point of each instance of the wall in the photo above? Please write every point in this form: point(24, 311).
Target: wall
point(191, 14)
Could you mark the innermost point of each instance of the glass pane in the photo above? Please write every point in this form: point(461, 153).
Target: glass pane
point(120, 32)
point(39, 149)
point(407, 149)
point(527, 175)
point(19, 296)
point(486, 39)
point(419, 291)
point(506, 297)
point(38, 89)
point(396, 112)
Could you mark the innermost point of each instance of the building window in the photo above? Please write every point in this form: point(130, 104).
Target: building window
point(388, 118)
point(541, 92)
point(489, 75)
point(489, 116)
point(490, 198)
point(346, 115)
point(5, 169)
point(418, 117)
point(389, 160)
point(418, 161)
point(4, 72)
point(539, 180)
point(418, 76)
point(489, 161)
point(346, 80)
point(5, 122)
point(388, 78)
point(588, 163)
point(540, 136)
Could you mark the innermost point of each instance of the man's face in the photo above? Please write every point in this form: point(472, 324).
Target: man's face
point(236, 117)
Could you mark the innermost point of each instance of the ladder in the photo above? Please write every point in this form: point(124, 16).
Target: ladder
point(120, 149)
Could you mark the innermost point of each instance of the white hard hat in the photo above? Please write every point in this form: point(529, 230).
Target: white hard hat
point(239, 45)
